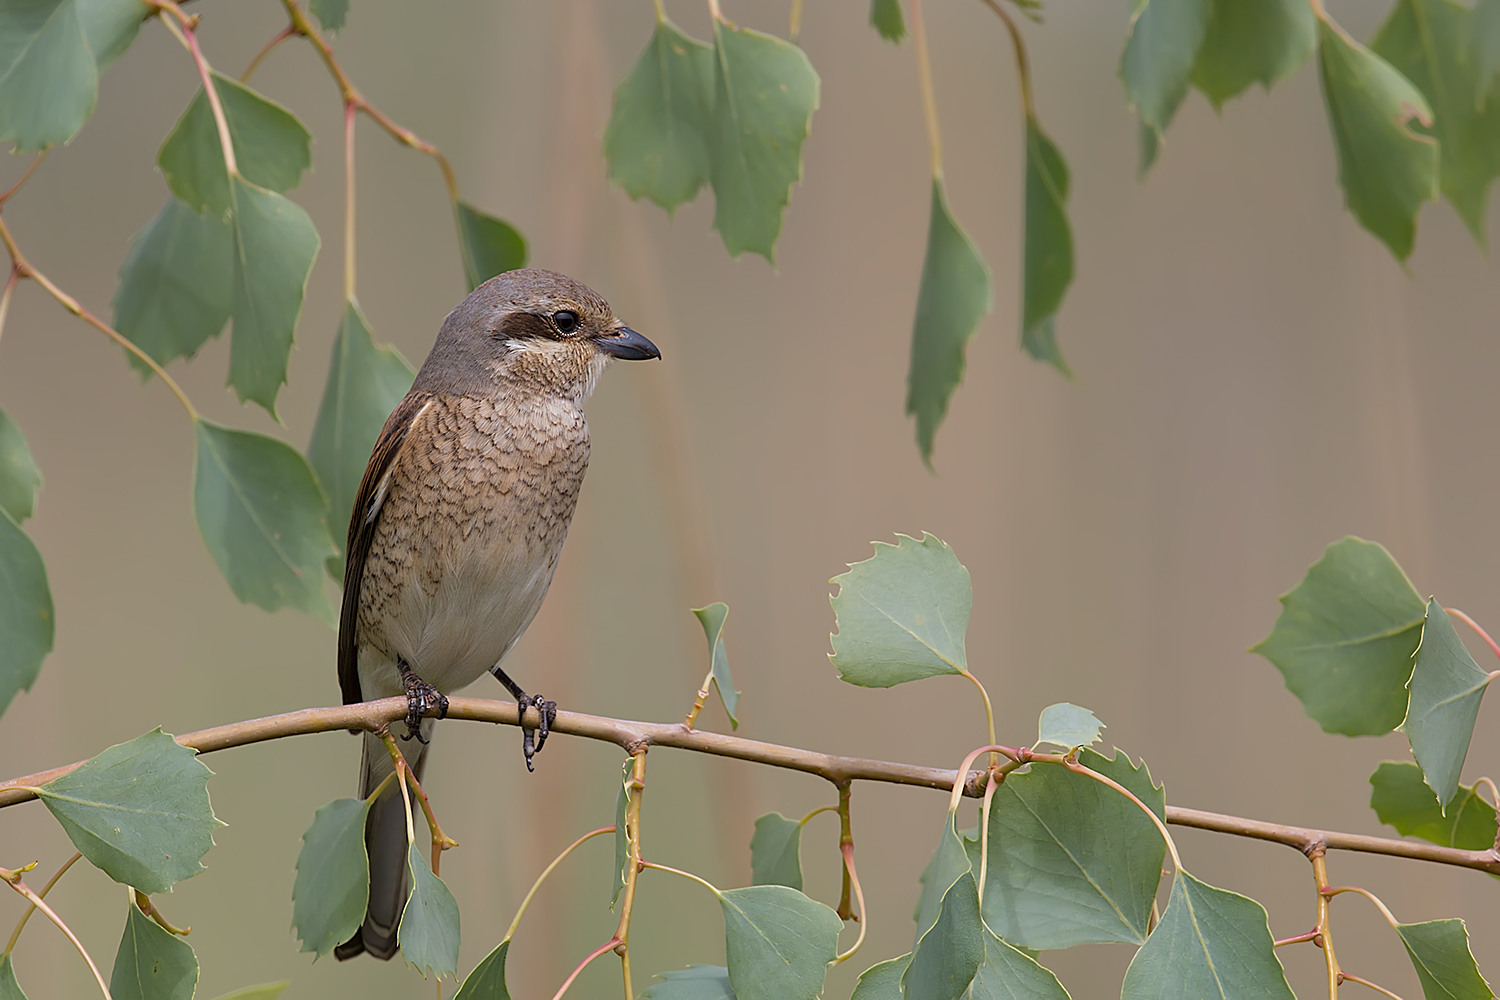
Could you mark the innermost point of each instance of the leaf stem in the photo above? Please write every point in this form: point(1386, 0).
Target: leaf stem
point(1073, 765)
point(1297, 938)
point(688, 875)
point(10, 287)
point(1351, 978)
point(145, 905)
point(30, 169)
point(1023, 63)
point(984, 835)
point(440, 840)
point(633, 869)
point(205, 74)
point(350, 109)
point(1016, 755)
point(794, 22)
point(1455, 613)
point(606, 946)
point(270, 46)
point(14, 880)
point(15, 935)
point(521, 912)
point(700, 700)
point(924, 76)
point(1331, 891)
point(989, 710)
point(859, 894)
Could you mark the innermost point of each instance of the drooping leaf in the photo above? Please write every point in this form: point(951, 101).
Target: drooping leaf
point(656, 143)
point(954, 296)
point(139, 811)
point(1402, 799)
point(331, 14)
point(10, 989)
point(1161, 46)
point(765, 92)
point(1049, 247)
point(26, 618)
point(263, 991)
point(696, 982)
point(1484, 50)
point(1068, 726)
point(333, 876)
point(177, 285)
point(886, 18)
point(1439, 950)
point(622, 831)
point(488, 246)
point(902, 614)
point(712, 620)
point(882, 981)
point(1252, 41)
point(949, 863)
point(1446, 688)
point(1071, 860)
point(263, 518)
point(949, 953)
point(20, 479)
point(429, 932)
point(364, 385)
point(487, 981)
point(1428, 41)
point(777, 942)
point(152, 963)
point(1008, 973)
point(1345, 639)
point(1386, 167)
point(1210, 943)
point(774, 852)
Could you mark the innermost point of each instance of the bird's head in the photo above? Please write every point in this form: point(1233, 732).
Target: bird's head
point(530, 330)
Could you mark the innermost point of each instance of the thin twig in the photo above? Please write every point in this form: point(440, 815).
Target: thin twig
point(1331, 891)
point(634, 863)
point(521, 910)
point(1023, 64)
point(606, 946)
point(1325, 928)
point(1455, 613)
point(924, 76)
point(350, 108)
point(1297, 938)
point(270, 46)
point(15, 936)
point(30, 169)
point(10, 287)
point(1350, 977)
point(14, 880)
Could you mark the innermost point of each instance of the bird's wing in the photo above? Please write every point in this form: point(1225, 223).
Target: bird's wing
point(362, 522)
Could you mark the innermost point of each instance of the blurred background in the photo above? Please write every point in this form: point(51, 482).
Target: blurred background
point(1256, 377)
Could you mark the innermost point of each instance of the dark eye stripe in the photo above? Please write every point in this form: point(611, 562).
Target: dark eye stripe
point(526, 326)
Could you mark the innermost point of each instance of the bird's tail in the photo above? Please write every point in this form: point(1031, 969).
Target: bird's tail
point(385, 842)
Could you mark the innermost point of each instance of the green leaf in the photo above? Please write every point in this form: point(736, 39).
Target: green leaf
point(110, 26)
point(1387, 169)
point(333, 876)
point(902, 614)
point(1161, 46)
point(1049, 247)
point(882, 981)
point(139, 811)
point(1484, 50)
point(1067, 725)
point(263, 518)
point(765, 92)
point(1345, 639)
point(26, 618)
point(1446, 688)
point(1210, 943)
point(177, 285)
point(777, 942)
point(696, 982)
point(275, 244)
point(622, 833)
point(264, 991)
point(1072, 861)
point(712, 620)
point(954, 296)
point(886, 18)
point(364, 385)
point(949, 863)
point(1252, 41)
point(19, 477)
point(1428, 41)
point(1439, 950)
point(271, 148)
point(429, 932)
point(487, 981)
point(656, 143)
point(949, 953)
point(1402, 799)
point(487, 245)
point(331, 14)
point(152, 963)
point(10, 989)
point(1008, 973)
point(774, 852)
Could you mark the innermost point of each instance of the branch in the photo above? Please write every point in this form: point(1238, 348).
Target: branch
point(629, 735)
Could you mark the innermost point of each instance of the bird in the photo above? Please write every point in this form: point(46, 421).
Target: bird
point(457, 528)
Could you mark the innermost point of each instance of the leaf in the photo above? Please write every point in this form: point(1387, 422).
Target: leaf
point(1387, 169)
point(1439, 950)
point(777, 942)
point(19, 477)
point(152, 963)
point(949, 953)
point(1161, 46)
point(1345, 639)
point(109, 26)
point(26, 617)
point(487, 245)
point(886, 18)
point(954, 296)
point(265, 991)
point(1210, 943)
point(333, 876)
point(271, 148)
point(1484, 50)
point(1068, 726)
point(1403, 800)
point(1048, 268)
point(902, 614)
point(765, 92)
point(882, 981)
point(656, 143)
point(10, 989)
point(1446, 688)
point(696, 982)
point(275, 244)
point(1071, 860)
point(487, 981)
point(712, 620)
point(1252, 41)
point(949, 863)
point(622, 830)
point(1008, 973)
point(139, 811)
point(263, 518)
point(364, 385)
point(176, 286)
point(331, 14)
point(774, 852)
point(429, 933)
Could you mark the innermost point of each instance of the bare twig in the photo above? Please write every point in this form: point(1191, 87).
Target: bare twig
point(14, 880)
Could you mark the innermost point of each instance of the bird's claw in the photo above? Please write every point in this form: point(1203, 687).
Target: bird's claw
point(533, 739)
point(421, 698)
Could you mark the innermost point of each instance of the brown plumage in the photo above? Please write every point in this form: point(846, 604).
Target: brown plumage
point(459, 522)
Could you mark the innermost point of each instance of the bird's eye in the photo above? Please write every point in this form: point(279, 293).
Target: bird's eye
point(566, 320)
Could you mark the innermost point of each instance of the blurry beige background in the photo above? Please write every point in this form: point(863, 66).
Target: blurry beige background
point(1256, 378)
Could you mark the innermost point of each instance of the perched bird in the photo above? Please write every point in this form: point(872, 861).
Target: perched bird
point(458, 525)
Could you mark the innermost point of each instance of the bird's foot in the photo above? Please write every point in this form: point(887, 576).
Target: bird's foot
point(421, 698)
point(532, 739)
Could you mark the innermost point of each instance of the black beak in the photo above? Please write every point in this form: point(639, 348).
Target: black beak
point(627, 345)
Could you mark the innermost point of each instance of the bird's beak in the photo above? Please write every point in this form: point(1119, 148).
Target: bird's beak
point(627, 345)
